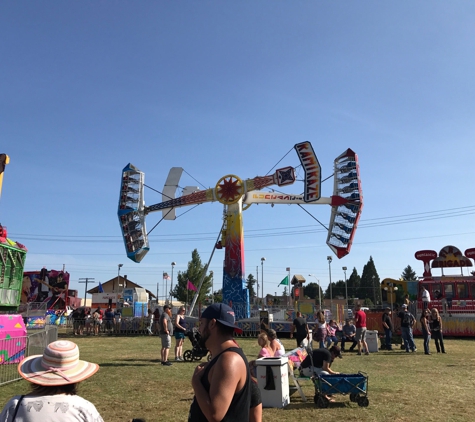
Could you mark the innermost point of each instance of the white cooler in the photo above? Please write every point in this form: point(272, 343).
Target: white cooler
point(372, 340)
point(278, 397)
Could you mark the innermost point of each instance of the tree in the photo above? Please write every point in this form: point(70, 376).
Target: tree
point(354, 283)
point(370, 285)
point(193, 273)
point(409, 274)
point(250, 285)
point(311, 290)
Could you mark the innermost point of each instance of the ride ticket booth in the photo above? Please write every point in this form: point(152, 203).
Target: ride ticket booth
point(273, 381)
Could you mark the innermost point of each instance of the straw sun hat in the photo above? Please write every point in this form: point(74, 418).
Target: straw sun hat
point(59, 365)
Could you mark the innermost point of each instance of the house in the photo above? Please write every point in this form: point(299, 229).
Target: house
point(112, 292)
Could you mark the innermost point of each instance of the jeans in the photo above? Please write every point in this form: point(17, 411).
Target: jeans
point(389, 336)
point(330, 340)
point(406, 333)
point(345, 339)
point(437, 336)
point(426, 336)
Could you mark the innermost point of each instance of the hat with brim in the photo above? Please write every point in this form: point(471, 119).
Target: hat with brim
point(222, 313)
point(59, 365)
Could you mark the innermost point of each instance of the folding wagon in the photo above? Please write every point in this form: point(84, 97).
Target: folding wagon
point(356, 385)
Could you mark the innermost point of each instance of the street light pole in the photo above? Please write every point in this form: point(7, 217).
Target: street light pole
point(171, 282)
point(319, 291)
point(391, 289)
point(346, 291)
point(262, 280)
point(329, 259)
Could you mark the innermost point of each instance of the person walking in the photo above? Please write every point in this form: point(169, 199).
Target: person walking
point(388, 327)
point(166, 332)
point(424, 320)
point(54, 378)
point(360, 324)
point(319, 334)
point(222, 386)
point(435, 323)
point(179, 331)
point(407, 322)
point(300, 327)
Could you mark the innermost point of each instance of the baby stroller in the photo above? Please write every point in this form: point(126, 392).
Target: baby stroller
point(197, 352)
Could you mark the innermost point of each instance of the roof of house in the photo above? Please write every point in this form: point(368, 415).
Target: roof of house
point(130, 284)
point(298, 278)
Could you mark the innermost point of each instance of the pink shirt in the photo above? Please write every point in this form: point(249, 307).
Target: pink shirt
point(264, 353)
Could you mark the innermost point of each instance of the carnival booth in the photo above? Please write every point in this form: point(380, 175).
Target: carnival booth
point(12, 339)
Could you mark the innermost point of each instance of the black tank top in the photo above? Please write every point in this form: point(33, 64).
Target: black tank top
point(239, 408)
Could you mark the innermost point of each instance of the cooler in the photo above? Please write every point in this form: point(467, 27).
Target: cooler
point(372, 340)
point(273, 381)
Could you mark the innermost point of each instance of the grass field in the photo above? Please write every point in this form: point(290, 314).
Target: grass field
point(401, 386)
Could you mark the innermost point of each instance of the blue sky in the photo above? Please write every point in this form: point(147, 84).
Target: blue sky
point(228, 88)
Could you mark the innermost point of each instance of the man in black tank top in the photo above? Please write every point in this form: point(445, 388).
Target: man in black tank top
point(223, 386)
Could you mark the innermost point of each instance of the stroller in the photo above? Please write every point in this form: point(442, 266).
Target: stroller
point(197, 352)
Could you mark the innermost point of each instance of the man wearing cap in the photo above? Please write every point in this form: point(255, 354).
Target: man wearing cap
point(322, 360)
point(388, 327)
point(349, 333)
point(166, 331)
point(407, 322)
point(223, 386)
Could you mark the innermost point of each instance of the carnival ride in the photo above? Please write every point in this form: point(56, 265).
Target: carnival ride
point(12, 261)
point(452, 294)
point(237, 195)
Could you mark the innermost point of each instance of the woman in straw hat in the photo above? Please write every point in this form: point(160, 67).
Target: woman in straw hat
point(54, 378)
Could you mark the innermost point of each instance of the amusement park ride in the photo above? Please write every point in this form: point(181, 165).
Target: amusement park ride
point(237, 195)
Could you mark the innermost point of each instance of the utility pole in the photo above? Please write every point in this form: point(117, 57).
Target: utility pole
point(86, 280)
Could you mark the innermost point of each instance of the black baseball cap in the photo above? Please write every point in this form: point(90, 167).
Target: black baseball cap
point(222, 313)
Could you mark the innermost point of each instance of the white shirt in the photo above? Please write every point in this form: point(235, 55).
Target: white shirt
point(425, 296)
point(56, 408)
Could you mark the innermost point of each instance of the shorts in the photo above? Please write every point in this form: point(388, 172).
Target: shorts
point(360, 334)
point(179, 335)
point(166, 341)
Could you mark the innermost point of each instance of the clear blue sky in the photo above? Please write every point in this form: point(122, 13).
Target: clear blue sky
point(228, 88)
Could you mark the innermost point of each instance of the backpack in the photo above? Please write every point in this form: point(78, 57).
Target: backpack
point(408, 319)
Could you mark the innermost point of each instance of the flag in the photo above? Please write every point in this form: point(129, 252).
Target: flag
point(100, 289)
point(166, 276)
point(191, 286)
point(285, 281)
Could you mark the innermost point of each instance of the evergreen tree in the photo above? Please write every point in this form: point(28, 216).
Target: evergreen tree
point(409, 274)
point(354, 283)
point(193, 273)
point(311, 291)
point(370, 285)
point(250, 285)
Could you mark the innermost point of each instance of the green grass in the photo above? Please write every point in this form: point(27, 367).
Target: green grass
point(401, 386)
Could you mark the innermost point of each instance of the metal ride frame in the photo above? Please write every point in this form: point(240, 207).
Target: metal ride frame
point(237, 195)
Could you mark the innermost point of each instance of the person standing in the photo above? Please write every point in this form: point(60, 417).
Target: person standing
point(360, 324)
point(179, 331)
point(388, 327)
point(349, 334)
point(156, 321)
point(166, 332)
point(300, 327)
point(435, 324)
point(54, 378)
point(425, 298)
point(222, 386)
point(425, 330)
point(319, 334)
point(407, 322)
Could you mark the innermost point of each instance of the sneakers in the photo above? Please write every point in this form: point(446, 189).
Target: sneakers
point(359, 353)
point(366, 353)
point(167, 363)
point(179, 359)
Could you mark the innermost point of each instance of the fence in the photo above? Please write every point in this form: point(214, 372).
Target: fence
point(31, 344)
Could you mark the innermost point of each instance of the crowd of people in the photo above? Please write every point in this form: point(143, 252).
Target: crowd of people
point(219, 394)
